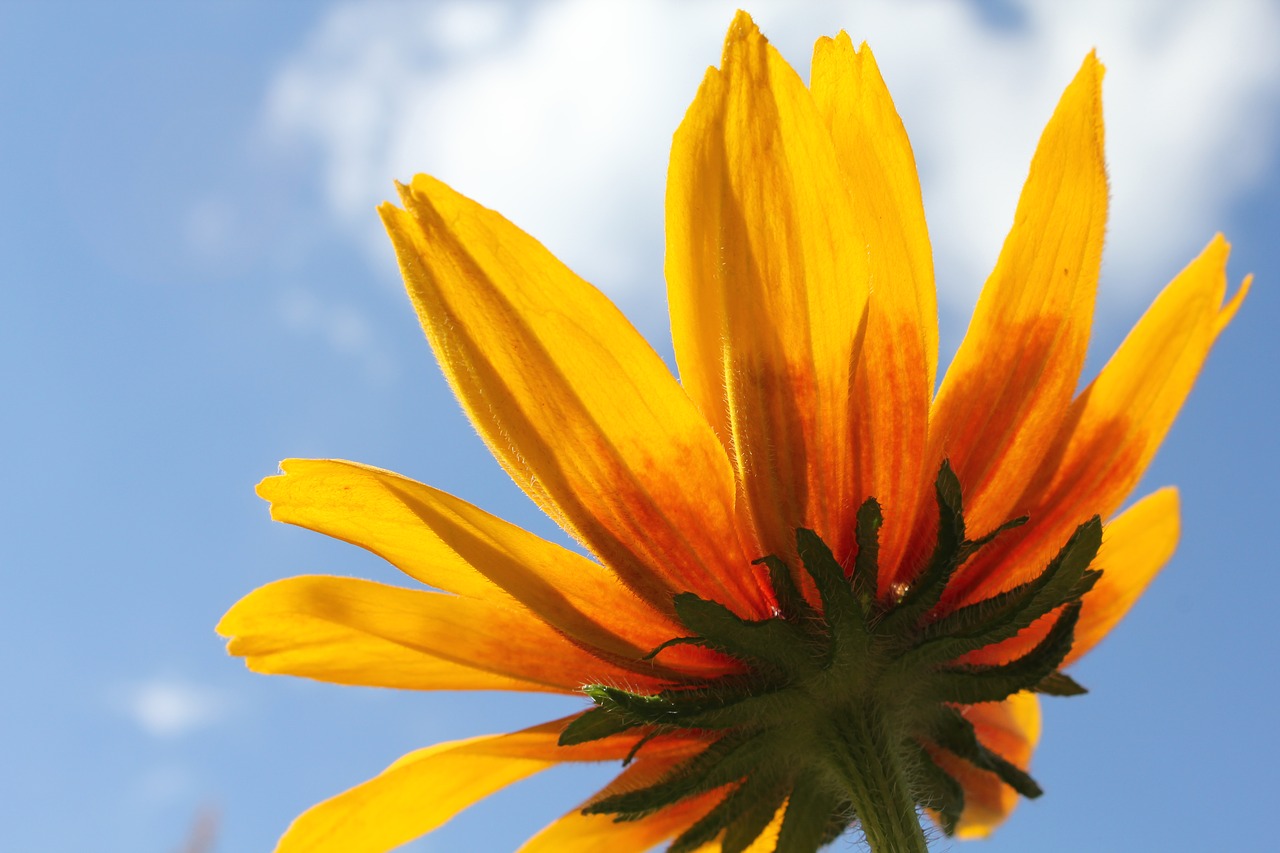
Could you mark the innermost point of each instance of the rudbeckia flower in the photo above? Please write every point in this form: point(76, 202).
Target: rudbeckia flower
point(815, 595)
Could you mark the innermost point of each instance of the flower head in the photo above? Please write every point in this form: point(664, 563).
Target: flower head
point(814, 586)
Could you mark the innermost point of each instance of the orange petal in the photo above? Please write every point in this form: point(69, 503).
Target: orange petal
point(1010, 728)
point(350, 631)
point(1135, 545)
point(1004, 396)
point(426, 788)
point(1115, 427)
point(574, 403)
point(895, 378)
point(447, 543)
point(767, 289)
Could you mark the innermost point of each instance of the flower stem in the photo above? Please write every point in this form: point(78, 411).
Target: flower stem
point(866, 756)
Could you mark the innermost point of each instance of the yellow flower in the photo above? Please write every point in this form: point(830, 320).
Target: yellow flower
point(803, 312)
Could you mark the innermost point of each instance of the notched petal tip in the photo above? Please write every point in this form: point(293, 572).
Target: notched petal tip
point(275, 488)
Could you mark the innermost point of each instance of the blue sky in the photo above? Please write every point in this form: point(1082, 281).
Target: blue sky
point(195, 287)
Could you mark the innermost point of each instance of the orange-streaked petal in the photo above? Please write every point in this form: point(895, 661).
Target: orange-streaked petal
point(572, 400)
point(1012, 380)
point(894, 383)
point(1115, 427)
point(351, 631)
point(767, 289)
point(1010, 728)
point(447, 543)
point(1135, 545)
point(426, 788)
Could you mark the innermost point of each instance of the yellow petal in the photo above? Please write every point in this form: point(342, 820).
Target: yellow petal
point(1010, 728)
point(1012, 380)
point(352, 631)
point(767, 289)
point(1115, 427)
point(447, 543)
point(571, 399)
point(895, 378)
point(1135, 546)
point(426, 788)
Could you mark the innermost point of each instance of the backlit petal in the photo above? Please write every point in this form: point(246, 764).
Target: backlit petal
point(895, 378)
point(767, 289)
point(575, 404)
point(447, 543)
point(353, 631)
point(1012, 380)
point(1010, 728)
point(1135, 546)
point(426, 788)
point(1115, 427)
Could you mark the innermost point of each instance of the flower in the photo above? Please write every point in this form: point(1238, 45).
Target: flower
point(783, 600)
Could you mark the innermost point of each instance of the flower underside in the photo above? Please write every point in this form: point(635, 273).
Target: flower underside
point(831, 698)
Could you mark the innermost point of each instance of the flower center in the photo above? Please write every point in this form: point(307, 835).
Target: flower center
point(842, 709)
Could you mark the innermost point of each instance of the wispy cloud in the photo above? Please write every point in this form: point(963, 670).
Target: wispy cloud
point(343, 327)
point(559, 113)
point(169, 708)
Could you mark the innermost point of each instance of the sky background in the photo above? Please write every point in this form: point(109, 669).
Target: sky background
point(194, 286)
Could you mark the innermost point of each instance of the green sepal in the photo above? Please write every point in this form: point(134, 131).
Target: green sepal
point(1003, 616)
point(955, 734)
point(728, 760)
point(754, 819)
point(728, 704)
point(792, 605)
point(743, 802)
point(968, 685)
point(804, 825)
point(938, 790)
point(866, 567)
point(926, 591)
point(595, 724)
point(676, 641)
point(846, 621)
point(774, 642)
point(1059, 684)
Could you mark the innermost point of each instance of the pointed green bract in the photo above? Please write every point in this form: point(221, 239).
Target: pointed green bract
point(742, 803)
point(774, 642)
point(866, 567)
point(809, 811)
point(851, 683)
point(955, 734)
point(969, 685)
point(1059, 684)
point(756, 815)
point(938, 789)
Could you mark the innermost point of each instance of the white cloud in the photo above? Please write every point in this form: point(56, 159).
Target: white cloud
point(168, 708)
point(343, 327)
point(559, 113)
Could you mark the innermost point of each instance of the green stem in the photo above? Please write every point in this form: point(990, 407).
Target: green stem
point(866, 757)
